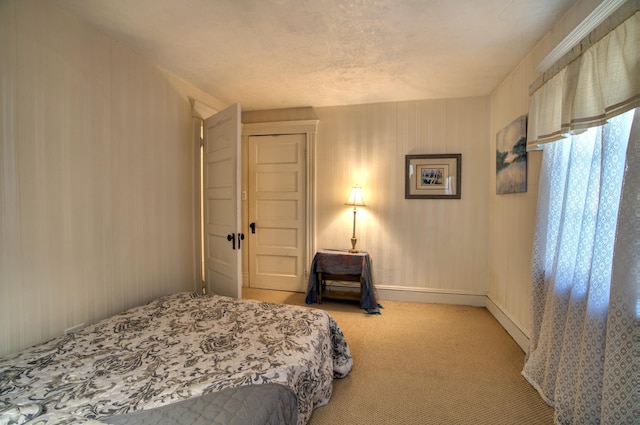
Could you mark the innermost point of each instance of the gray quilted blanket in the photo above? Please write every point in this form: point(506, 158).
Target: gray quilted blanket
point(176, 348)
point(247, 405)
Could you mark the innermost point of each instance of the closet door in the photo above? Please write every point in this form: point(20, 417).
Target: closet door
point(280, 204)
point(277, 211)
point(221, 203)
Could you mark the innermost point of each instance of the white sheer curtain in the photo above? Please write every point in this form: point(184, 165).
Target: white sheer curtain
point(585, 345)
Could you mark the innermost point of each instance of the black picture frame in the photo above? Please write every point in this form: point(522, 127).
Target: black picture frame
point(433, 176)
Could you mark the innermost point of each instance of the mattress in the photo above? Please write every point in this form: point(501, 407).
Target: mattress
point(176, 348)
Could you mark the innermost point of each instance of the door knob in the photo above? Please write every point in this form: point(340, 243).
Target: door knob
point(253, 227)
point(232, 238)
point(240, 238)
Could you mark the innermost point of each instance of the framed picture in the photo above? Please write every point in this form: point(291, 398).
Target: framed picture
point(434, 176)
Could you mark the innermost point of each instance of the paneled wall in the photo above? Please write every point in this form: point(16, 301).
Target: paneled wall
point(96, 176)
point(512, 217)
point(430, 250)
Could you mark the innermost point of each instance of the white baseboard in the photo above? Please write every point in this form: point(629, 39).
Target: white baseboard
point(426, 295)
point(513, 328)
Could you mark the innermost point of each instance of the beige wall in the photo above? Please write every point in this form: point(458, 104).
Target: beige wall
point(512, 217)
point(96, 199)
point(417, 245)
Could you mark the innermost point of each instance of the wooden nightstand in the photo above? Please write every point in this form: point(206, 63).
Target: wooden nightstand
point(335, 294)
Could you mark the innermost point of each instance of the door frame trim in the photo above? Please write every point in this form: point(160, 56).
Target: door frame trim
point(199, 113)
point(309, 128)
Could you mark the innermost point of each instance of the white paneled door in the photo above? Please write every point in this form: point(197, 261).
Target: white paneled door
point(221, 182)
point(277, 211)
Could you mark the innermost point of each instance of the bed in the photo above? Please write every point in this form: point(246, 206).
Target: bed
point(184, 351)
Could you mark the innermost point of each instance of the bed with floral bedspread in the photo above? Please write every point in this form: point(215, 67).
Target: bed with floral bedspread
point(176, 348)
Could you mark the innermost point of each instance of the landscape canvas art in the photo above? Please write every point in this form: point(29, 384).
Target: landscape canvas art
point(511, 157)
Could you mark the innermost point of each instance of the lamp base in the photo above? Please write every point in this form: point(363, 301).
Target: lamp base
point(353, 249)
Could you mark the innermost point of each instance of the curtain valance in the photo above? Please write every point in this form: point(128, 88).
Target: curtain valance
point(598, 79)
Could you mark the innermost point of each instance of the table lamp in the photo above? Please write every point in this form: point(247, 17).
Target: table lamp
point(356, 200)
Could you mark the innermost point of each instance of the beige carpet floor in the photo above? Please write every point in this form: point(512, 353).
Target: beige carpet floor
point(424, 364)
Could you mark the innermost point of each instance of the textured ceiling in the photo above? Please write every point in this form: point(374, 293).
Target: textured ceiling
point(268, 54)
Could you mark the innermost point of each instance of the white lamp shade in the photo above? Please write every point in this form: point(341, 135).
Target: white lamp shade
point(355, 199)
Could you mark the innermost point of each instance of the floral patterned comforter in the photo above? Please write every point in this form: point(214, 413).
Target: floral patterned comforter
point(177, 347)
